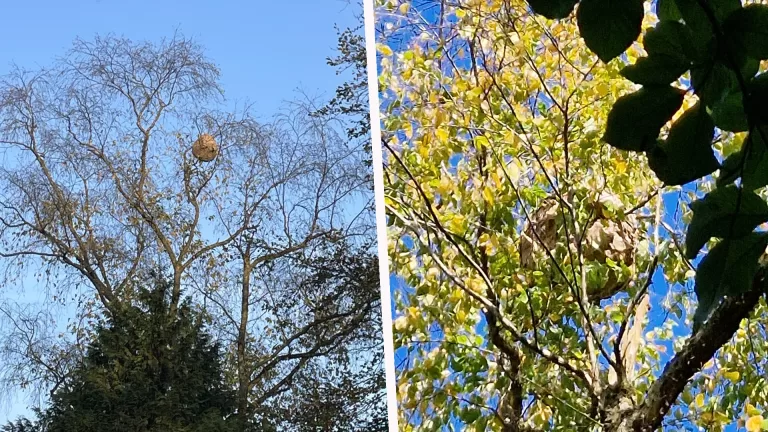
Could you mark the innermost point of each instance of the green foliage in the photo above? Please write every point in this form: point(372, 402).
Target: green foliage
point(475, 152)
point(636, 119)
point(720, 42)
point(715, 215)
point(146, 371)
point(729, 114)
point(748, 27)
point(727, 270)
point(687, 153)
point(609, 27)
point(697, 18)
point(23, 425)
point(667, 10)
point(669, 47)
point(553, 9)
point(753, 172)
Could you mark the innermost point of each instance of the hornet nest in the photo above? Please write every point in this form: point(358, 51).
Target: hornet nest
point(605, 238)
point(205, 148)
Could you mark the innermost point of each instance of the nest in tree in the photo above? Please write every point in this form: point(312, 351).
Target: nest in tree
point(605, 238)
point(539, 234)
point(205, 148)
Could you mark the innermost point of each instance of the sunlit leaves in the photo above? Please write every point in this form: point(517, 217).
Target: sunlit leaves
point(687, 153)
point(727, 270)
point(609, 27)
point(527, 69)
point(636, 119)
point(754, 423)
point(716, 215)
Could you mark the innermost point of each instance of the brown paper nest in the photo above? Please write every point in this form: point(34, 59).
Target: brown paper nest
point(604, 239)
point(205, 148)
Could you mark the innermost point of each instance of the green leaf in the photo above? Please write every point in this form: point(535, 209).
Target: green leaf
point(553, 9)
point(470, 415)
point(748, 26)
point(670, 38)
point(440, 397)
point(636, 119)
point(667, 10)
point(730, 170)
point(654, 70)
point(669, 49)
point(696, 18)
point(758, 103)
point(728, 269)
point(755, 174)
point(481, 425)
point(712, 82)
point(687, 153)
point(715, 216)
point(609, 27)
point(729, 114)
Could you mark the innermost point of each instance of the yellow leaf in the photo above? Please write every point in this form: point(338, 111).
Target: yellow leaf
point(442, 134)
point(732, 375)
point(700, 400)
point(403, 9)
point(488, 195)
point(384, 50)
point(461, 316)
point(408, 130)
point(752, 411)
point(621, 167)
point(754, 424)
point(722, 418)
point(457, 223)
point(602, 89)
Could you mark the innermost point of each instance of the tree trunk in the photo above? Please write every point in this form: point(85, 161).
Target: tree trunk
point(243, 377)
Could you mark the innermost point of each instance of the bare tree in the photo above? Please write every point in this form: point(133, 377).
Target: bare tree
point(99, 186)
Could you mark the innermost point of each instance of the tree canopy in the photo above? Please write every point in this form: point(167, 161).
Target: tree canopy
point(147, 371)
point(547, 198)
point(106, 186)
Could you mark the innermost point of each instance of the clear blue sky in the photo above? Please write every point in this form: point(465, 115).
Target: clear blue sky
point(265, 50)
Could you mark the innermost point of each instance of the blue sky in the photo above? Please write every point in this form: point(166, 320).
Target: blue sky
point(266, 50)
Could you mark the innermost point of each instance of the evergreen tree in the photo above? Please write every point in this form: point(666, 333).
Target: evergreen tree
point(146, 371)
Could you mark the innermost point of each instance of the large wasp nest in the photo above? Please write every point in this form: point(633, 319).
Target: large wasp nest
point(605, 238)
point(205, 148)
